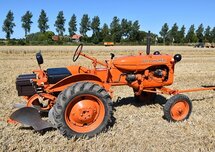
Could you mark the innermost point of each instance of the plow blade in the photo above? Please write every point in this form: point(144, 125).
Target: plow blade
point(31, 117)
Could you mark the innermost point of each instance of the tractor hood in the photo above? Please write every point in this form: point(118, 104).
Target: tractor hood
point(141, 62)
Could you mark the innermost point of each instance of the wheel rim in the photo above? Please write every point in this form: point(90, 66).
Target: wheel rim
point(84, 113)
point(180, 110)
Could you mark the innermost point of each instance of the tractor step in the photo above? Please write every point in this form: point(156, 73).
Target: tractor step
point(31, 117)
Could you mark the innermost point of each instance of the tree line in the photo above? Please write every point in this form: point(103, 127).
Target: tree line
point(119, 31)
point(176, 35)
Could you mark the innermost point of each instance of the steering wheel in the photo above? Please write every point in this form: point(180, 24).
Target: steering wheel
point(77, 52)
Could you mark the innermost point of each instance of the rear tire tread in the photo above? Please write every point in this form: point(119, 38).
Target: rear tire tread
point(64, 98)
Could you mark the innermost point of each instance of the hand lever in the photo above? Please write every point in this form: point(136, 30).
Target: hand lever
point(112, 55)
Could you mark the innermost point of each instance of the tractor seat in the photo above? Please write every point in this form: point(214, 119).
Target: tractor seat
point(57, 74)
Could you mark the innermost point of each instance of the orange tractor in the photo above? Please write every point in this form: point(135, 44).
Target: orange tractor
point(78, 100)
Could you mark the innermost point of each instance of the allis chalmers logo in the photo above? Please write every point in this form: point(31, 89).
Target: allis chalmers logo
point(153, 60)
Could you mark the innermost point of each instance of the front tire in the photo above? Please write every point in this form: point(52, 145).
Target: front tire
point(83, 109)
point(177, 108)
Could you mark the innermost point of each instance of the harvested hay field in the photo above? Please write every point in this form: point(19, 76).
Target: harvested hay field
point(137, 128)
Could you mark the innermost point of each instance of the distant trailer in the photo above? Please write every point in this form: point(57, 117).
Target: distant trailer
point(108, 43)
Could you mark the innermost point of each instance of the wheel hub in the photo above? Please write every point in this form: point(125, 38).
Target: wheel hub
point(84, 112)
point(180, 110)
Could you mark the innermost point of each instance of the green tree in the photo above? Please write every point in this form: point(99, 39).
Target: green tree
point(72, 25)
point(8, 24)
point(115, 29)
point(199, 33)
point(105, 33)
point(95, 26)
point(59, 23)
point(126, 27)
point(143, 35)
point(181, 34)
point(213, 35)
point(164, 32)
point(42, 22)
point(191, 36)
point(207, 33)
point(85, 25)
point(26, 22)
point(135, 31)
point(174, 34)
point(45, 37)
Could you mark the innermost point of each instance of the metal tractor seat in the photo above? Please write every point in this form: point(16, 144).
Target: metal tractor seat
point(57, 74)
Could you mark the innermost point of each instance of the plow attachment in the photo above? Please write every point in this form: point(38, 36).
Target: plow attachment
point(31, 117)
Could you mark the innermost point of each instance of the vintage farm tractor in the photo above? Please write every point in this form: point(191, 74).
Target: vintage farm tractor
point(78, 99)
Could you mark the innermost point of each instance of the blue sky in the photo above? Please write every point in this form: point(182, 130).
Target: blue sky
point(151, 14)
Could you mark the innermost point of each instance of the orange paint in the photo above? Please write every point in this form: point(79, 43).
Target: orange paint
point(149, 73)
point(179, 110)
point(84, 115)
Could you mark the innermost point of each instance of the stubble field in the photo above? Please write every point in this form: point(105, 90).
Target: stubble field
point(137, 128)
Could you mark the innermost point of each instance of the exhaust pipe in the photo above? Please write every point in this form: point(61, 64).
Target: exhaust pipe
point(148, 43)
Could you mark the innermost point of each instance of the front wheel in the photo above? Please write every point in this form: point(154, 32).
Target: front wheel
point(177, 108)
point(84, 109)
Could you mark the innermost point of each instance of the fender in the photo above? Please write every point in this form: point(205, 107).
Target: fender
point(68, 81)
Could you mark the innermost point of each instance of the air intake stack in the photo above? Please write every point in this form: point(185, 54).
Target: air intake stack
point(148, 43)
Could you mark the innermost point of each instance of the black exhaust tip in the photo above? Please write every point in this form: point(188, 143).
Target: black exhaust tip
point(148, 43)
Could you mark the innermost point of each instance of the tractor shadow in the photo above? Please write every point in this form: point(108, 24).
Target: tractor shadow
point(201, 99)
point(161, 100)
point(41, 132)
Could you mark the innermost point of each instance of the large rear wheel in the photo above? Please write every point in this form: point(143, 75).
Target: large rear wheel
point(84, 109)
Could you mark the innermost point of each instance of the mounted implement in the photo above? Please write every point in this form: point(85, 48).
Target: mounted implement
point(78, 99)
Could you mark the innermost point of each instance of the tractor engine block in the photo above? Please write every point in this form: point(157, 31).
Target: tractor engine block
point(154, 75)
point(157, 73)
